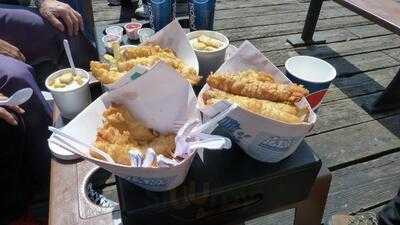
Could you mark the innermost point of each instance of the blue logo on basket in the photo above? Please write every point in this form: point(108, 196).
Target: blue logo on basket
point(233, 127)
point(135, 75)
point(276, 144)
point(151, 182)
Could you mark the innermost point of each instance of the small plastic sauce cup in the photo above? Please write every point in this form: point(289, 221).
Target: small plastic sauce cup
point(132, 30)
point(108, 40)
point(115, 30)
point(145, 34)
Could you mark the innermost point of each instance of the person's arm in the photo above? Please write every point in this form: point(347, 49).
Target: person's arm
point(60, 15)
point(10, 50)
point(8, 116)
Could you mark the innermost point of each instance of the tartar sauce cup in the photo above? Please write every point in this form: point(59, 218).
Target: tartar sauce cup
point(145, 34)
point(108, 40)
point(70, 101)
point(115, 30)
point(209, 61)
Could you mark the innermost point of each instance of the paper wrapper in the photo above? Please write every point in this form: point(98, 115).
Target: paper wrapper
point(158, 98)
point(264, 139)
point(171, 36)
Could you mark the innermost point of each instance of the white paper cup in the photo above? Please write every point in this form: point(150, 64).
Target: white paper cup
point(210, 61)
point(314, 74)
point(115, 30)
point(70, 102)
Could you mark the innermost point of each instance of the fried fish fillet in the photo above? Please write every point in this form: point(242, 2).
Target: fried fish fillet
point(150, 55)
point(146, 51)
point(164, 144)
point(122, 132)
point(274, 110)
point(116, 143)
point(252, 86)
point(104, 73)
point(147, 56)
point(120, 118)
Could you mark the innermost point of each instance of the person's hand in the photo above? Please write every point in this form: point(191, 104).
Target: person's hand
point(10, 50)
point(8, 116)
point(57, 12)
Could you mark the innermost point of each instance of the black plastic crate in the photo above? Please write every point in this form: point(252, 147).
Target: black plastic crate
point(224, 187)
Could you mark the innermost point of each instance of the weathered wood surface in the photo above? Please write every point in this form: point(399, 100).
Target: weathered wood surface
point(361, 149)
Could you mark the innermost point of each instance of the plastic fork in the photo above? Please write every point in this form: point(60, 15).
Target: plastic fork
point(216, 142)
point(210, 125)
point(89, 146)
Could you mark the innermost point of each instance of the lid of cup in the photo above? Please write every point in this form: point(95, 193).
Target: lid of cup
point(113, 29)
point(310, 69)
point(133, 25)
point(146, 32)
point(110, 38)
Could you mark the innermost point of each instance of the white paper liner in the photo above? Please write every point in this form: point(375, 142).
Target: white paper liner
point(262, 138)
point(171, 36)
point(157, 99)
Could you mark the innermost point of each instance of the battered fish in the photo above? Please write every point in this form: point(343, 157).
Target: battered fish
point(147, 56)
point(122, 132)
point(278, 111)
point(254, 87)
point(104, 73)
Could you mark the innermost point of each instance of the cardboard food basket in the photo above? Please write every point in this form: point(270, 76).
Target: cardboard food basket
point(158, 99)
point(262, 138)
point(171, 36)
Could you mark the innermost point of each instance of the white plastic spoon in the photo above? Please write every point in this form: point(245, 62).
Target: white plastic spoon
point(18, 98)
point(69, 56)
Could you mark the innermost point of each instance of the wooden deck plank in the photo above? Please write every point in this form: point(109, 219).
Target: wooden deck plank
point(352, 47)
point(262, 20)
point(242, 15)
point(223, 4)
point(360, 84)
point(345, 66)
point(348, 112)
point(261, 10)
point(362, 185)
point(291, 28)
point(354, 64)
point(280, 43)
point(355, 142)
point(331, 36)
point(220, 5)
point(395, 54)
point(368, 31)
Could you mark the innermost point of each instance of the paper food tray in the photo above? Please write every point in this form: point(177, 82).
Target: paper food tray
point(262, 138)
point(158, 98)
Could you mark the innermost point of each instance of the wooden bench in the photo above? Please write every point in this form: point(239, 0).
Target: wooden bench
point(385, 13)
